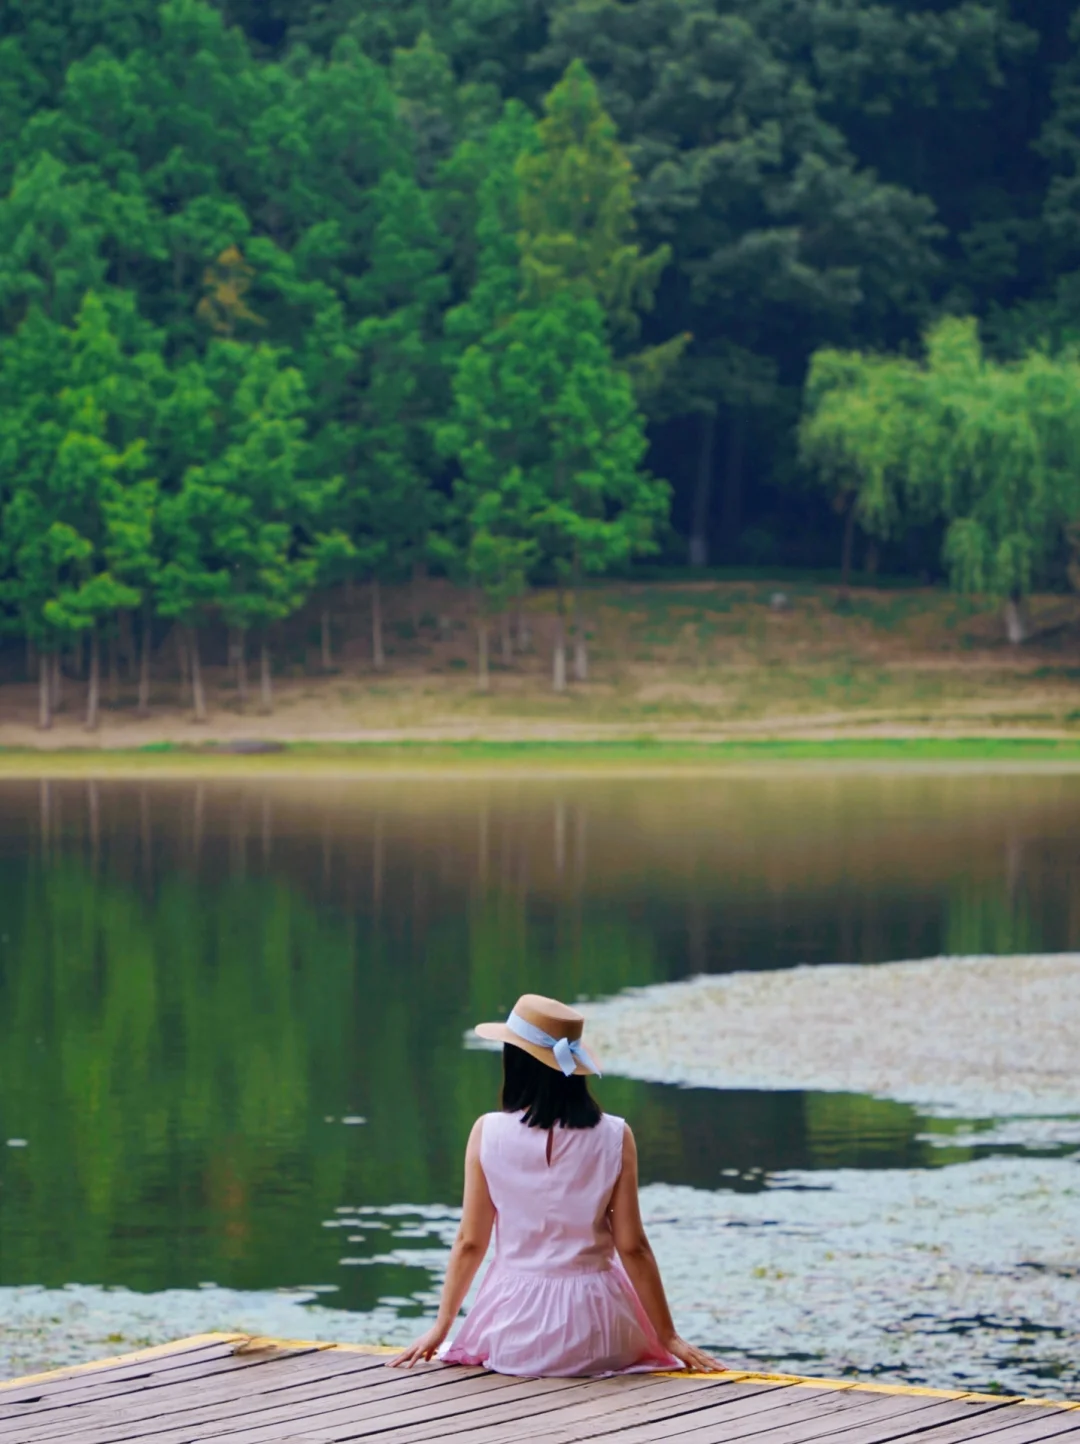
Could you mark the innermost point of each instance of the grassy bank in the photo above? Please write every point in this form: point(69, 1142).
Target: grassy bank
point(643, 757)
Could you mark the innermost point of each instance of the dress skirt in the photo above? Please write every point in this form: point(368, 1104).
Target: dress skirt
point(558, 1325)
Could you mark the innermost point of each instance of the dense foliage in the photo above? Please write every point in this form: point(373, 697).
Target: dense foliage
point(298, 294)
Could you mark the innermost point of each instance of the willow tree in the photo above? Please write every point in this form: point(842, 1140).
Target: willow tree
point(865, 417)
point(1004, 465)
point(992, 449)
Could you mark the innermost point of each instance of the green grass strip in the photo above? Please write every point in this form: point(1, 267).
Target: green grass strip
point(646, 754)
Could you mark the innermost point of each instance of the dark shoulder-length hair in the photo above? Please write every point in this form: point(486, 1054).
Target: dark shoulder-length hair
point(544, 1095)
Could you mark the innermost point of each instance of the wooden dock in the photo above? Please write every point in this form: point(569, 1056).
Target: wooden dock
point(230, 1389)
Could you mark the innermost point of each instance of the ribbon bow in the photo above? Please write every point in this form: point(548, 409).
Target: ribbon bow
point(569, 1052)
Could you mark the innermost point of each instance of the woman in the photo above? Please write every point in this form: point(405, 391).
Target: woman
point(557, 1178)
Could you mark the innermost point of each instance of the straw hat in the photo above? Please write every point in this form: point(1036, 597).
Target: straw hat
point(534, 1015)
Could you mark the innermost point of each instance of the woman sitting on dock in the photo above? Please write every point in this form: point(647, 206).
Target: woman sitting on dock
point(573, 1287)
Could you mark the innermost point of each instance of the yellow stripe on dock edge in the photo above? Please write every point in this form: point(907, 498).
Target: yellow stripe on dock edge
point(255, 1343)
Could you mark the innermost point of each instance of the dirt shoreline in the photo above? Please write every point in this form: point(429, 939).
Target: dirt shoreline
point(679, 663)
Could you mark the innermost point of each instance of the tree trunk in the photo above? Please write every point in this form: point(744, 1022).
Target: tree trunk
point(114, 671)
point(240, 654)
point(506, 639)
point(846, 551)
point(378, 657)
point(31, 658)
point(126, 644)
point(56, 683)
point(731, 510)
point(266, 685)
point(1015, 621)
point(581, 658)
point(325, 641)
point(699, 516)
point(145, 640)
point(416, 584)
point(522, 628)
point(559, 657)
point(198, 696)
point(44, 691)
point(183, 664)
point(93, 686)
point(482, 638)
point(581, 654)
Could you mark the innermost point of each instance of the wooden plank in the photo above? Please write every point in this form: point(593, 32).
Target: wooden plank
point(561, 1414)
point(439, 1411)
point(304, 1393)
point(601, 1401)
point(827, 1412)
point(747, 1408)
point(221, 1374)
point(178, 1371)
point(263, 1417)
point(885, 1420)
point(171, 1395)
point(387, 1422)
point(845, 1415)
point(305, 1398)
point(1018, 1424)
point(42, 1419)
point(246, 1398)
point(55, 1385)
point(897, 1431)
point(192, 1344)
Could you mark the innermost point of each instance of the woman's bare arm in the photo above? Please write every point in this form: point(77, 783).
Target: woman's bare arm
point(640, 1262)
point(466, 1256)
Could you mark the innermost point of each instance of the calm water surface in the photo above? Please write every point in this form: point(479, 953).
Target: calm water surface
point(231, 1015)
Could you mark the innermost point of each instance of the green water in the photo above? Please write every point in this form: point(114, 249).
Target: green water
point(201, 984)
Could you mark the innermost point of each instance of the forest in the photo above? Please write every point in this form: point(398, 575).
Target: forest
point(330, 293)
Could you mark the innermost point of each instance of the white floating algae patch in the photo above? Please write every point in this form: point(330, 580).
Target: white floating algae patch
point(979, 1037)
point(960, 1277)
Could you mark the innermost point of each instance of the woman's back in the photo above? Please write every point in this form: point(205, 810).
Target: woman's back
point(555, 1300)
point(555, 1181)
point(551, 1191)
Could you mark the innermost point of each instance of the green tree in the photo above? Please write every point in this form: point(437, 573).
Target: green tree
point(576, 189)
point(861, 425)
point(992, 448)
point(51, 236)
point(400, 386)
point(235, 529)
point(780, 240)
point(479, 201)
point(1006, 471)
point(78, 518)
point(550, 443)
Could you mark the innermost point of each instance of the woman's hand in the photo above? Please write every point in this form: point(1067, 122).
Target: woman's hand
point(696, 1359)
point(425, 1348)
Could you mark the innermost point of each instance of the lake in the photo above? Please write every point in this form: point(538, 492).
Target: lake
point(234, 1090)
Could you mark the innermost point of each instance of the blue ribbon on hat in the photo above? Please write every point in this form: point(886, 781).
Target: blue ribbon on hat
point(569, 1052)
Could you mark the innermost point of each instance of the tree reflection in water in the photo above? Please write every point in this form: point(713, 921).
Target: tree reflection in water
point(199, 981)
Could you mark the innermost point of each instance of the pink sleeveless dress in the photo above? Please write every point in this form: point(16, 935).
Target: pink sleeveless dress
point(555, 1300)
